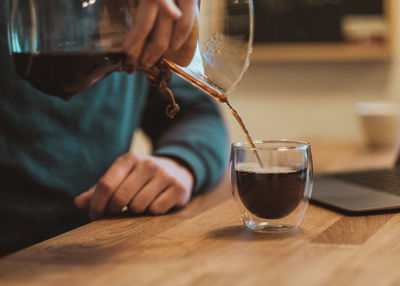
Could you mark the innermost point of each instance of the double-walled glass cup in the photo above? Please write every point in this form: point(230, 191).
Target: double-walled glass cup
point(272, 192)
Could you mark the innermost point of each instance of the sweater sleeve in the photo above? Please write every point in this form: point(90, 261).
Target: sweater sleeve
point(196, 137)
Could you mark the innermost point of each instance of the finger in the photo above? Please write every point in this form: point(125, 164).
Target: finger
point(184, 25)
point(171, 197)
point(144, 20)
point(170, 8)
point(109, 183)
point(137, 179)
point(159, 40)
point(83, 200)
point(150, 191)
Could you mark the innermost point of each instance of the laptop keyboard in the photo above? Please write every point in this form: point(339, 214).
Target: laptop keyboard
point(387, 180)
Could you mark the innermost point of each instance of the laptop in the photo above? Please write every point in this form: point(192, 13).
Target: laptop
point(359, 192)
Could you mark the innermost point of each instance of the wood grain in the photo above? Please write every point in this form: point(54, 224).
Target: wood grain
point(352, 230)
point(206, 244)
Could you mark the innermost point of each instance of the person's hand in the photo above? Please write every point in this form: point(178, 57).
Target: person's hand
point(140, 183)
point(159, 25)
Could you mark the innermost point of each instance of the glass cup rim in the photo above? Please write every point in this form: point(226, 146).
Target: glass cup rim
point(272, 145)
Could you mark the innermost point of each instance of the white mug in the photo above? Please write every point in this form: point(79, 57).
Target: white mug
point(380, 123)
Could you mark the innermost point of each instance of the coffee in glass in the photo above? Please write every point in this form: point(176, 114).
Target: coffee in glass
point(272, 197)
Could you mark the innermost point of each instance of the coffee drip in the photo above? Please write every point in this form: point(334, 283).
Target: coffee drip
point(222, 98)
point(160, 74)
point(176, 61)
point(52, 51)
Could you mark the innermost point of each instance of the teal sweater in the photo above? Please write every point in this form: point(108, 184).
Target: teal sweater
point(53, 150)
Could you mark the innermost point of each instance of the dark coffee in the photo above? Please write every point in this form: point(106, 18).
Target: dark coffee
point(270, 194)
point(65, 73)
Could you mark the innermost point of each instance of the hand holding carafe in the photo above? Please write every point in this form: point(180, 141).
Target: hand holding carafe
point(63, 47)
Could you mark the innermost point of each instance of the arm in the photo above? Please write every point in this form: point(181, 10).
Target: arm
point(190, 154)
point(196, 137)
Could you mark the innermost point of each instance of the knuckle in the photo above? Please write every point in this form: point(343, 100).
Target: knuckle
point(177, 184)
point(106, 185)
point(149, 165)
point(164, 176)
point(127, 157)
point(174, 181)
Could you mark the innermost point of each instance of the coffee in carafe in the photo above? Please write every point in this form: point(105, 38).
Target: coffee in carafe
point(66, 73)
point(66, 46)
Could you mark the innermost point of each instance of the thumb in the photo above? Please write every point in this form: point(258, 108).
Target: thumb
point(83, 200)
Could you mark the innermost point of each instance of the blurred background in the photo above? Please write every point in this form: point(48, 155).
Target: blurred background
point(313, 60)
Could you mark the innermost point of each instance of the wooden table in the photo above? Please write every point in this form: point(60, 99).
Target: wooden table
point(206, 244)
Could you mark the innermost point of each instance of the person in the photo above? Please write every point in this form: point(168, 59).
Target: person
point(62, 163)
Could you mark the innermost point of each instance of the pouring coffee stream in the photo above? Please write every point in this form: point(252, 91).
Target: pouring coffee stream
point(160, 73)
point(219, 97)
point(62, 59)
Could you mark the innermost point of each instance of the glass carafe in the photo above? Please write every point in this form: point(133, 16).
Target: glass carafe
point(64, 46)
